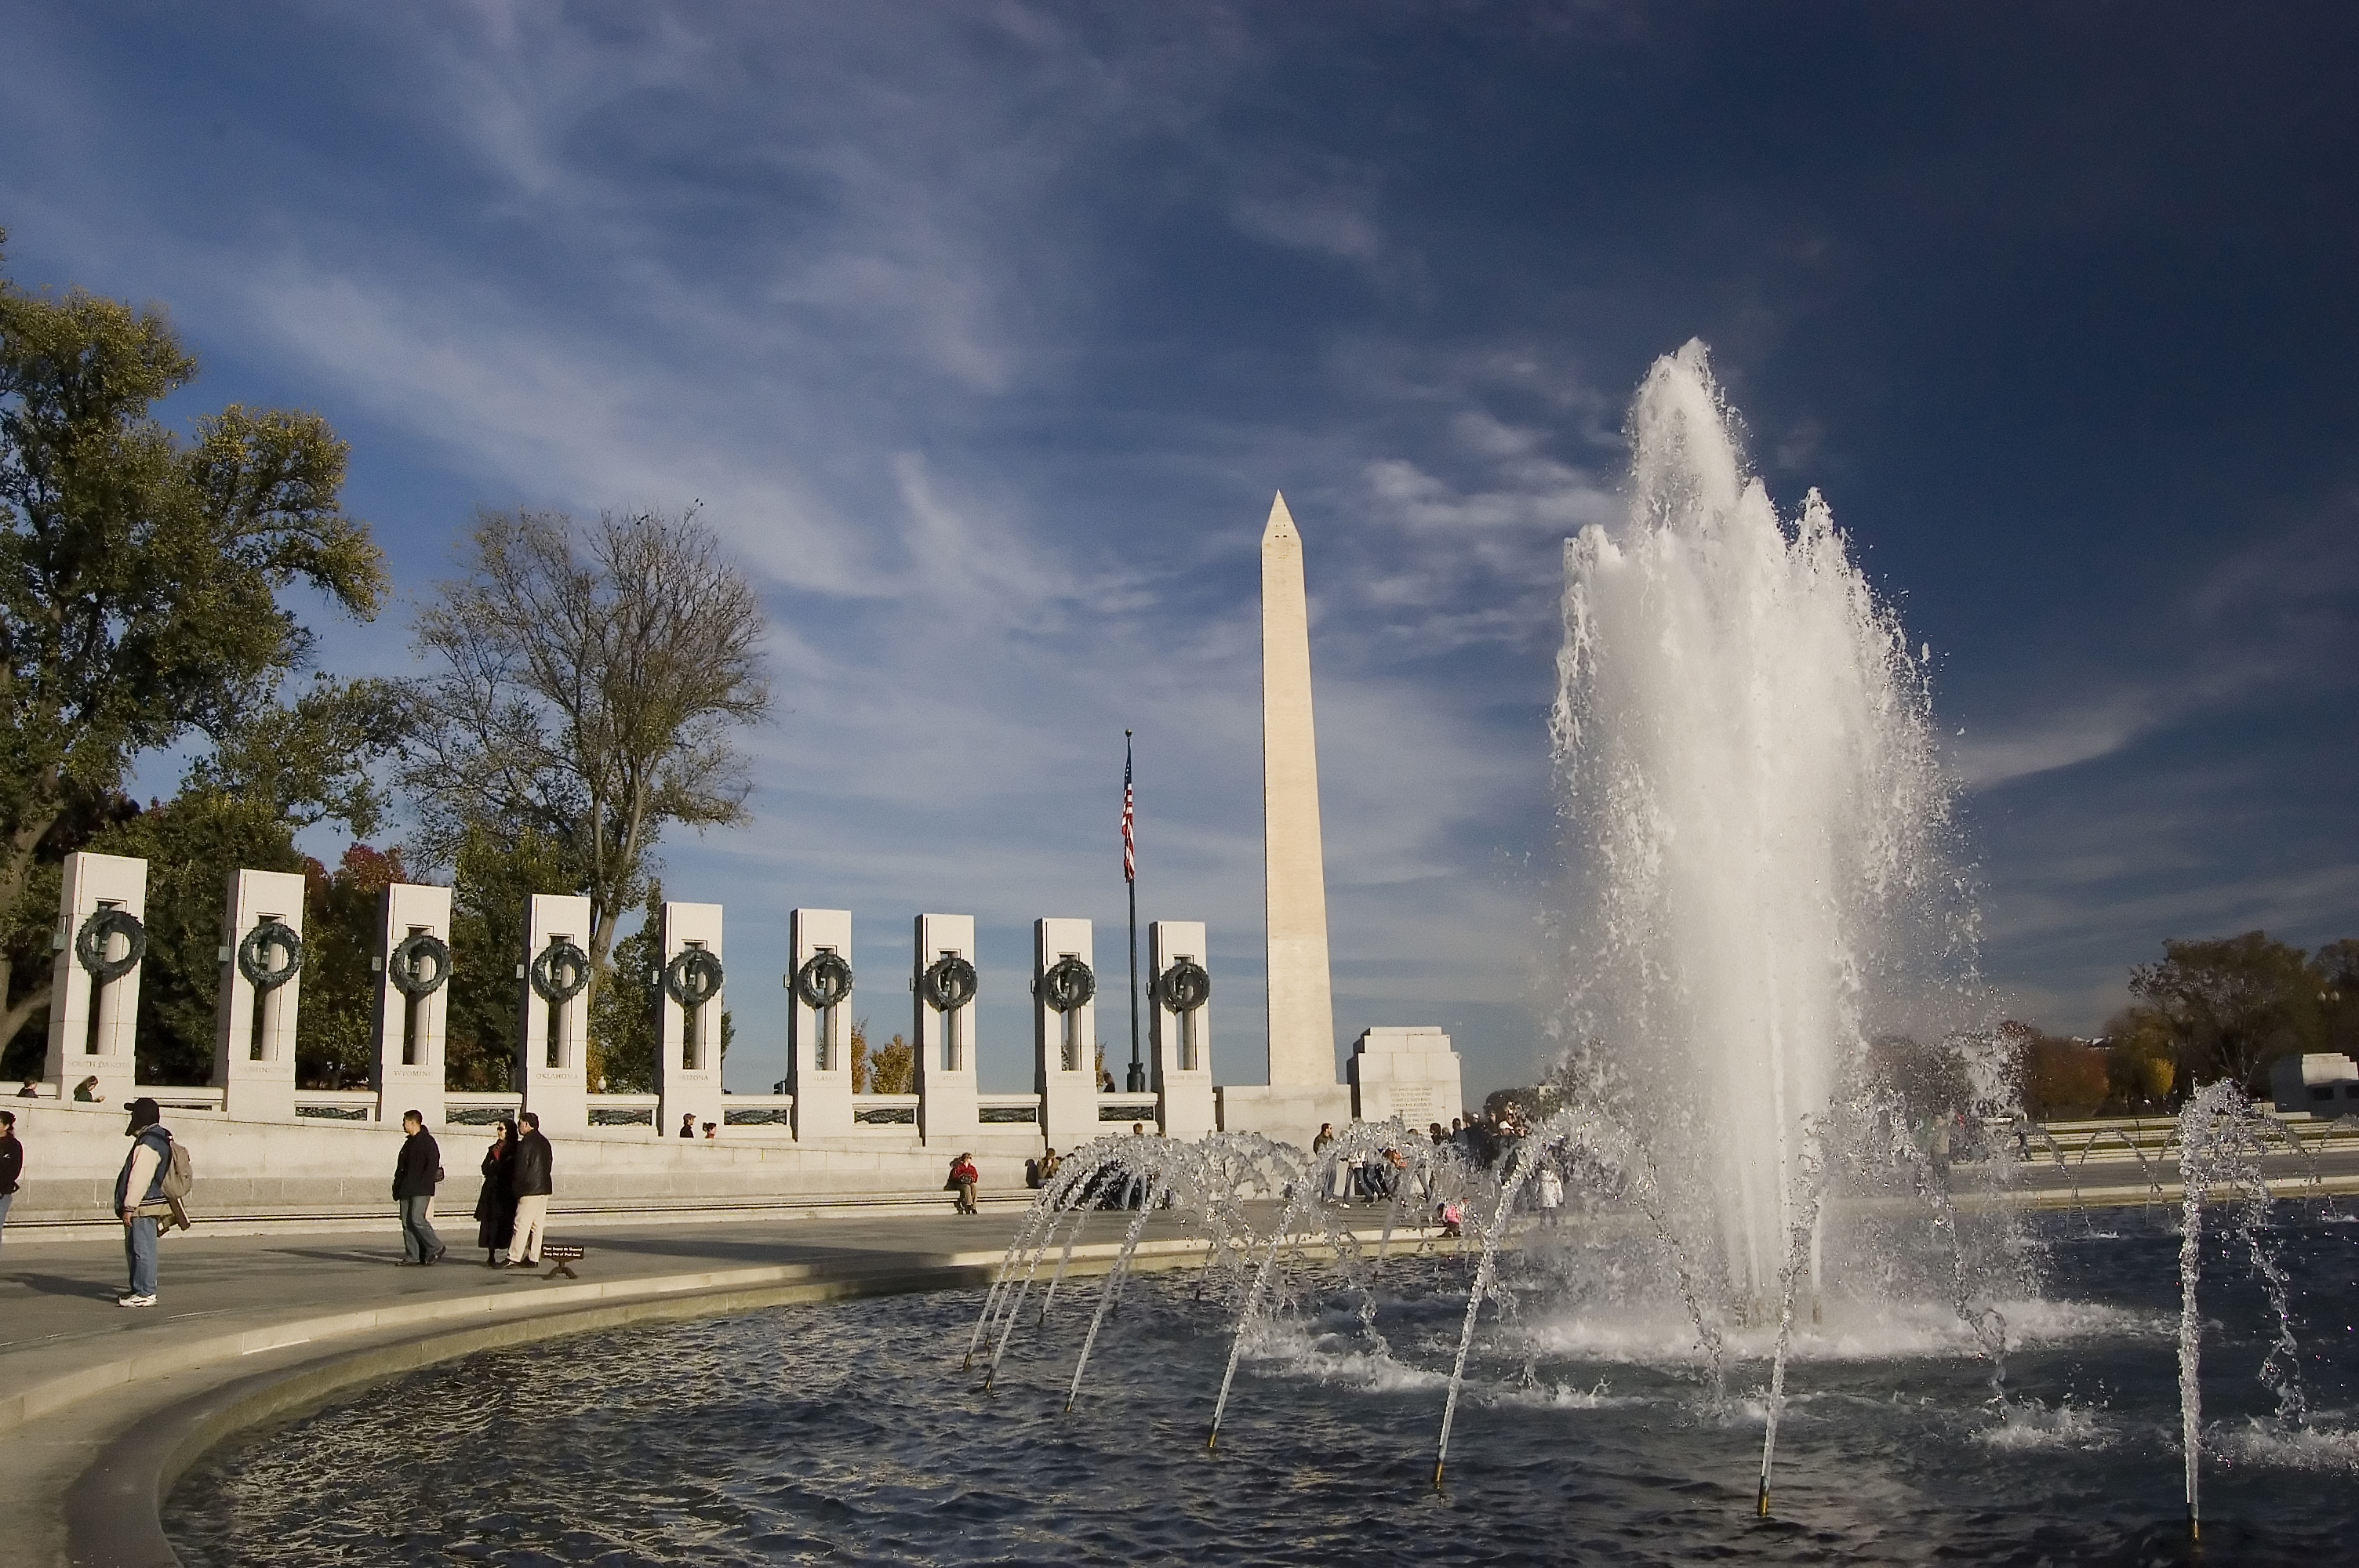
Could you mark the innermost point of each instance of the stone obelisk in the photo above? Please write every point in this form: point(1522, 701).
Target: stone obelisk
point(1294, 868)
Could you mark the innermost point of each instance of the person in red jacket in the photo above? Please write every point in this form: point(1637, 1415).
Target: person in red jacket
point(964, 1177)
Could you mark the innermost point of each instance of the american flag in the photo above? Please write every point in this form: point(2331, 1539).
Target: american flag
point(1129, 843)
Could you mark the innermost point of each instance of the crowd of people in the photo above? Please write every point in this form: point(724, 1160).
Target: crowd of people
point(1472, 1141)
point(511, 1210)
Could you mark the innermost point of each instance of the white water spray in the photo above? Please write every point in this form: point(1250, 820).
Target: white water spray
point(1753, 793)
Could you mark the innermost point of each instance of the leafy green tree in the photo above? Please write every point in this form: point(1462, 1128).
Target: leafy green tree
point(492, 878)
point(2338, 972)
point(2234, 1005)
point(2141, 1055)
point(343, 930)
point(893, 1068)
point(623, 1010)
point(1928, 1080)
point(192, 844)
point(26, 929)
point(2061, 1078)
point(592, 680)
point(139, 572)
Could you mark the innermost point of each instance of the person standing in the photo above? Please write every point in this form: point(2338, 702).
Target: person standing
point(495, 1204)
point(687, 1125)
point(964, 1177)
point(140, 1197)
point(11, 1163)
point(531, 1173)
point(86, 1092)
point(1551, 1192)
point(415, 1174)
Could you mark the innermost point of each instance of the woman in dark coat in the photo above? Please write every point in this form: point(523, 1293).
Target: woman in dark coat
point(496, 1208)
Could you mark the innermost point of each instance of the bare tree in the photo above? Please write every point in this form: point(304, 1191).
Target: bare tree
point(593, 677)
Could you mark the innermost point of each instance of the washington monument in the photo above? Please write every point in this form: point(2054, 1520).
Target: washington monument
point(1294, 874)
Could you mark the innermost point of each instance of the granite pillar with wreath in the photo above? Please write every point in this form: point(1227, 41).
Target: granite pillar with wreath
point(688, 1031)
point(413, 999)
point(943, 985)
point(100, 938)
point(819, 1022)
point(553, 1036)
point(261, 958)
point(1064, 1032)
point(1181, 1018)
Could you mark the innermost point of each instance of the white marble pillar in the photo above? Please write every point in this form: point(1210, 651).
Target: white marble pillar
point(553, 1036)
point(1183, 1037)
point(1064, 1042)
point(415, 946)
point(688, 1042)
point(254, 1042)
point(819, 1039)
point(944, 1036)
point(87, 1041)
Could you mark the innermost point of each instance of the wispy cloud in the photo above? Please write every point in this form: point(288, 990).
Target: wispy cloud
point(985, 332)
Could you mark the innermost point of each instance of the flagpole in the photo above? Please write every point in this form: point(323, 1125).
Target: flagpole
point(1130, 875)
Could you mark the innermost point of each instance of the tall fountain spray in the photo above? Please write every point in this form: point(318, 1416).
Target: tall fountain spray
point(1756, 810)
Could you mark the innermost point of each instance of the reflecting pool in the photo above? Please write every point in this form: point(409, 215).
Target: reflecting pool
point(848, 1432)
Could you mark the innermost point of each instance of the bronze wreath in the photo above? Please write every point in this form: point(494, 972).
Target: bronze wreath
point(266, 934)
point(694, 977)
point(948, 982)
point(90, 943)
point(823, 981)
point(1069, 984)
point(545, 984)
point(401, 966)
point(1184, 987)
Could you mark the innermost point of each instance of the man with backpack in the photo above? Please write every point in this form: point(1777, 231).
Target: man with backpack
point(140, 1198)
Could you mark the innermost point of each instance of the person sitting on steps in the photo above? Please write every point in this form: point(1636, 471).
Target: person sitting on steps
point(963, 1177)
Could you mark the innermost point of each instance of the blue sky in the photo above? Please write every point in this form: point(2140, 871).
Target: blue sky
point(984, 332)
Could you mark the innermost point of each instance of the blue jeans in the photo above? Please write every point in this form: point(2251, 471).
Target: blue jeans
point(418, 1243)
point(5, 1199)
point(139, 1249)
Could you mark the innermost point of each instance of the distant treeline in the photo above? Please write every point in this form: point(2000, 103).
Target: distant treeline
point(2222, 1009)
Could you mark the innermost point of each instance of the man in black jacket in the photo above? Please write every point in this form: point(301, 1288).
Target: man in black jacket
point(529, 1170)
point(414, 1176)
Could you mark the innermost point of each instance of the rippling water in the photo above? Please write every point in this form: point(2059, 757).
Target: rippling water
point(847, 1433)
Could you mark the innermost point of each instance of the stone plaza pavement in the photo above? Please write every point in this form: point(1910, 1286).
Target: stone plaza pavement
point(101, 1405)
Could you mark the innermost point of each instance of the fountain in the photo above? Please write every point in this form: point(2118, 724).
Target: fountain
point(1757, 817)
point(1763, 887)
point(1760, 825)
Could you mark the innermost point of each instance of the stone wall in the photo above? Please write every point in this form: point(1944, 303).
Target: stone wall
point(73, 1152)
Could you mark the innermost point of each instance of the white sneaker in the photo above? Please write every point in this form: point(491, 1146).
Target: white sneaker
point(135, 1300)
